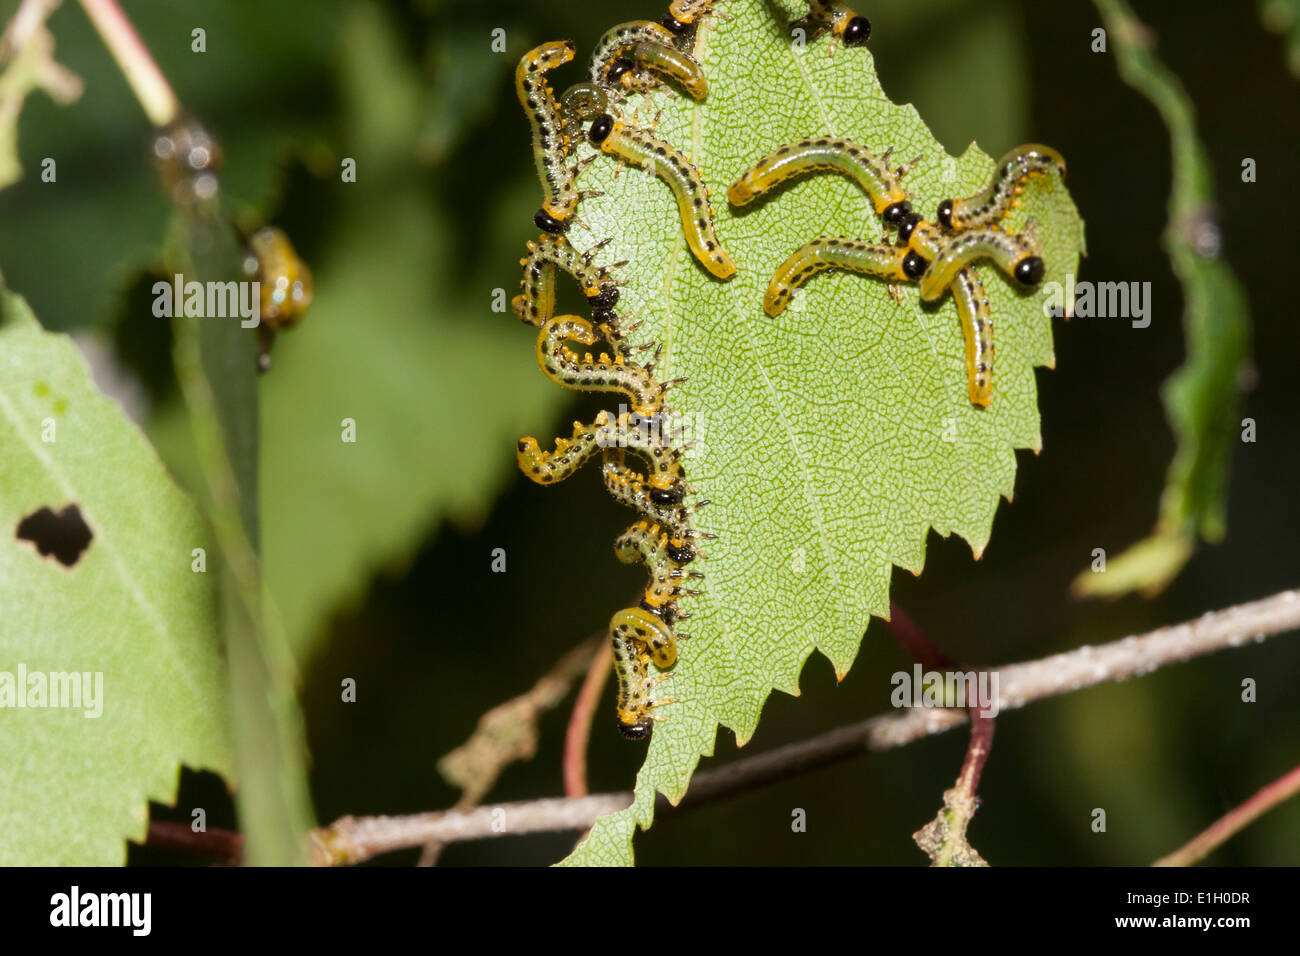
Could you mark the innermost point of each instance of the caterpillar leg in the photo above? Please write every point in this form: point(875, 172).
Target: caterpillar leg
point(638, 148)
point(1002, 192)
point(878, 260)
point(603, 374)
point(549, 467)
point(1015, 254)
point(977, 328)
point(550, 144)
point(870, 172)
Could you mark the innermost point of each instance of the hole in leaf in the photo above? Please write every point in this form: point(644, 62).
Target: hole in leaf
point(63, 534)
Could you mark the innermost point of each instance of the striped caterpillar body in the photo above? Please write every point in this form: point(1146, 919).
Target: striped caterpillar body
point(844, 24)
point(604, 374)
point(870, 172)
point(660, 501)
point(631, 632)
point(1015, 254)
point(878, 260)
point(630, 431)
point(977, 329)
point(643, 150)
point(665, 555)
point(632, 55)
point(580, 103)
point(570, 454)
point(535, 305)
point(559, 194)
point(992, 203)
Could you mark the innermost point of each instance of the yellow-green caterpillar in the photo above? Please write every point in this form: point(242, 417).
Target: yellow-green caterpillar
point(1002, 193)
point(550, 145)
point(870, 172)
point(632, 55)
point(844, 23)
point(977, 329)
point(603, 374)
point(643, 150)
point(1015, 254)
point(631, 631)
point(536, 303)
point(878, 260)
point(665, 555)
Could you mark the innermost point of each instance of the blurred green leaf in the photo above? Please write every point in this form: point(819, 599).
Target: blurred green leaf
point(1201, 398)
point(130, 608)
point(402, 345)
point(1283, 16)
point(73, 246)
point(830, 439)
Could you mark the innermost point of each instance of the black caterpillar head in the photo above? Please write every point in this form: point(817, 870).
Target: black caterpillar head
point(548, 223)
point(1029, 271)
point(637, 730)
point(601, 127)
point(857, 31)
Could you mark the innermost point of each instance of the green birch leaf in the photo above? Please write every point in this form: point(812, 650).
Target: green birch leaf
point(830, 439)
point(128, 607)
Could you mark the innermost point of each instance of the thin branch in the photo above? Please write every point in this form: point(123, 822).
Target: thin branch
point(351, 839)
point(1234, 821)
point(578, 733)
point(224, 845)
point(135, 61)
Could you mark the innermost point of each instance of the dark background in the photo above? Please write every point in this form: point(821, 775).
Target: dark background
point(438, 642)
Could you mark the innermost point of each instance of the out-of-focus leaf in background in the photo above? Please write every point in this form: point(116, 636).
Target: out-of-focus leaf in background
point(834, 437)
point(27, 64)
point(130, 608)
point(102, 221)
point(403, 343)
point(1283, 16)
point(1201, 398)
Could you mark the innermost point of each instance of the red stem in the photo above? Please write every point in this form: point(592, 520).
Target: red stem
point(578, 733)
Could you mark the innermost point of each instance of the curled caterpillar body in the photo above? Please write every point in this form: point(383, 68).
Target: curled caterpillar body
point(632, 55)
point(661, 503)
point(639, 625)
point(643, 150)
point(580, 103)
point(535, 305)
point(1015, 254)
point(632, 667)
point(977, 328)
point(878, 260)
point(844, 23)
point(604, 374)
point(824, 154)
point(570, 454)
point(992, 203)
point(559, 193)
point(665, 556)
